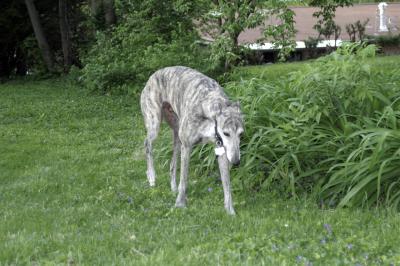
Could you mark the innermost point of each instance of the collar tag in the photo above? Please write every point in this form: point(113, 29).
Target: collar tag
point(219, 151)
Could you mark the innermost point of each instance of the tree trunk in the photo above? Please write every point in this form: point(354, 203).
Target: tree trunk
point(65, 39)
point(103, 13)
point(94, 7)
point(109, 12)
point(40, 36)
point(234, 38)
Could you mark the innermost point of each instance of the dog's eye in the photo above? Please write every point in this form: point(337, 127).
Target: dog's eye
point(227, 134)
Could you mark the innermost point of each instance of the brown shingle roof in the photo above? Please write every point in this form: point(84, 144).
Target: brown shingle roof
point(305, 21)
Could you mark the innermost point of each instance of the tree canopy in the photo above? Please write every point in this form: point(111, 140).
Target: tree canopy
point(113, 40)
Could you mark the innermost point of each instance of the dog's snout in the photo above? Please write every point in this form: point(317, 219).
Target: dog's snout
point(236, 163)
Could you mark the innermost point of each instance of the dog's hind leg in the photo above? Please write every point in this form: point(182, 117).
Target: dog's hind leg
point(172, 120)
point(174, 161)
point(151, 110)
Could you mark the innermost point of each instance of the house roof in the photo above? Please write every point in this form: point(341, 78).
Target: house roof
point(346, 15)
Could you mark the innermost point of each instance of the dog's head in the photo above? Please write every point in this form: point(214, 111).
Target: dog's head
point(230, 127)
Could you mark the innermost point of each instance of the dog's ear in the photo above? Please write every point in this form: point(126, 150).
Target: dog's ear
point(216, 108)
point(212, 109)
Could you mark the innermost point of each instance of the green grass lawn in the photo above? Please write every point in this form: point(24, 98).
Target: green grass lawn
point(73, 190)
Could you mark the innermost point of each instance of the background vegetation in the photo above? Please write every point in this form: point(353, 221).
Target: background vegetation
point(150, 36)
point(113, 45)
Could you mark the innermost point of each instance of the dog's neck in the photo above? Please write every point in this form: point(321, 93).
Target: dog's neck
point(213, 107)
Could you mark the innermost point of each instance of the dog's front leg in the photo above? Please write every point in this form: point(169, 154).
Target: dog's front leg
point(223, 164)
point(185, 157)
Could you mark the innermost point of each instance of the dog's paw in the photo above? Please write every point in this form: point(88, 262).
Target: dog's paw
point(174, 189)
point(180, 204)
point(230, 211)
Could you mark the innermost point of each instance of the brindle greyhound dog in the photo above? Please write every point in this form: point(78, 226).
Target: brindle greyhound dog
point(198, 110)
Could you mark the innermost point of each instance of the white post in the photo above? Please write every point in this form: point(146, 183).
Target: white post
point(382, 19)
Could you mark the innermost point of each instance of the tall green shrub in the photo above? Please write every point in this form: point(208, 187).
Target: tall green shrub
point(330, 129)
point(127, 60)
point(150, 36)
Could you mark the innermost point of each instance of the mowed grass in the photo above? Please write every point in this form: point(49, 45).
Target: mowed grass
point(73, 190)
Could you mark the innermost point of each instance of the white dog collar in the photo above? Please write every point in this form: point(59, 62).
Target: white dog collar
point(219, 150)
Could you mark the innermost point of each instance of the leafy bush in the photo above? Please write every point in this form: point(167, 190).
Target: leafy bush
point(357, 29)
point(151, 35)
point(331, 129)
point(385, 40)
point(128, 59)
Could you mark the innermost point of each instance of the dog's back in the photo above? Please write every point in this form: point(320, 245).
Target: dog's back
point(181, 87)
